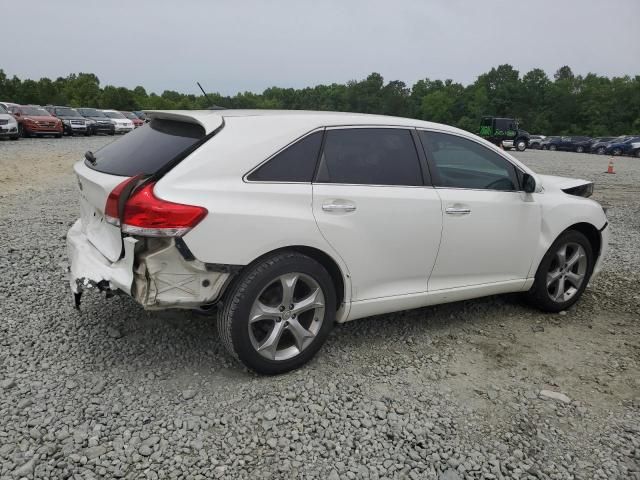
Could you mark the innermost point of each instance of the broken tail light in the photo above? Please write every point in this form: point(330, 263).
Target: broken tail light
point(146, 215)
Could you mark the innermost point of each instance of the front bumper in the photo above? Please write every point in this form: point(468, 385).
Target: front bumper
point(152, 271)
point(9, 130)
point(123, 129)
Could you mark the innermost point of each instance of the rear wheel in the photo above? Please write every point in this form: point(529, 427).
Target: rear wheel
point(563, 273)
point(616, 151)
point(637, 153)
point(600, 150)
point(579, 149)
point(553, 148)
point(278, 313)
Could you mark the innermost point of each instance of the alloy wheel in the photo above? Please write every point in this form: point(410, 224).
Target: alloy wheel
point(286, 316)
point(567, 272)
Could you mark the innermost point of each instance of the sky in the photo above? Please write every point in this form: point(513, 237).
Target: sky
point(250, 45)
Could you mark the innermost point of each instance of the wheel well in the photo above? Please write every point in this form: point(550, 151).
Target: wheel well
point(592, 234)
point(327, 262)
point(323, 259)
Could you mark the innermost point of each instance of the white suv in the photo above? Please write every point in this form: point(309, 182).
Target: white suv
point(289, 221)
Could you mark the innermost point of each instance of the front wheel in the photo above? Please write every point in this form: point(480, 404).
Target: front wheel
point(580, 149)
point(563, 273)
point(521, 145)
point(278, 313)
point(616, 151)
point(553, 148)
point(600, 151)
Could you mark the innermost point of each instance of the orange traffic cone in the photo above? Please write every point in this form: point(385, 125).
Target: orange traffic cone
point(610, 167)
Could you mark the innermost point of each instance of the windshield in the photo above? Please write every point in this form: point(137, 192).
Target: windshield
point(3, 110)
point(114, 114)
point(34, 111)
point(91, 112)
point(129, 115)
point(67, 112)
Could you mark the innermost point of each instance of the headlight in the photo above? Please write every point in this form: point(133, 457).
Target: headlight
point(66, 122)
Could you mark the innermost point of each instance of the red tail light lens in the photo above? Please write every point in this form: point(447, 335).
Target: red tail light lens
point(111, 213)
point(149, 216)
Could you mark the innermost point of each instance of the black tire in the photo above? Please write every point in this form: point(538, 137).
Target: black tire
point(553, 148)
point(637, 153)
point(521, 145)
point(15, 137)
point(233, 314)
point(600, 151)
point(58, 135)
point(544, 147)
point(616, 152)
point(579, 149)
point(112, 132)
point(539, 295)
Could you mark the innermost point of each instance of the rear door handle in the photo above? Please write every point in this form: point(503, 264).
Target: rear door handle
point(458, 211)
point(338, 206)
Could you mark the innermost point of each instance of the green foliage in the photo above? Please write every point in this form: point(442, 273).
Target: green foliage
point(567, 104)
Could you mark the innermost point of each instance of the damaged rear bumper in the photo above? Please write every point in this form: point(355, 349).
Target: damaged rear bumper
point(151, 270)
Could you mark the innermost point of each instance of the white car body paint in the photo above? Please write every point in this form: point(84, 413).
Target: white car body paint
point(398, 249)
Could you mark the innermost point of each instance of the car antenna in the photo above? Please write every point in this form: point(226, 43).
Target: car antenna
point(212, 107)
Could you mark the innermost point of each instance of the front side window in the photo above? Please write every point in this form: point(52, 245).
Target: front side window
point(296, 163)
point(370, 156)
point(462, 163)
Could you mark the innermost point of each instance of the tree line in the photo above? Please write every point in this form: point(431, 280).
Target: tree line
point(568, 104)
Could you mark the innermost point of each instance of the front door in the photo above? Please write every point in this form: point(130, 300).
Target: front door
point(490, 227)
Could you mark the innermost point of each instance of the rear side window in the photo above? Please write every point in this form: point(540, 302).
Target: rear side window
point(147, 149)
point(370, 156)
point(296, 163)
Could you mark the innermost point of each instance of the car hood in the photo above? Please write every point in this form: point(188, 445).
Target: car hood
point(40, 118)
point(70, 117)
point(7, 116)
point(99, 119)
point(561, 183)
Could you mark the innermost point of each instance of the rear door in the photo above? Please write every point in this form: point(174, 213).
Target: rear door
point(490, 228)
point(144, 151)
point(371, 204)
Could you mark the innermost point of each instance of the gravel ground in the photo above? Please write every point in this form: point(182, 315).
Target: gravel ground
point(450, 392)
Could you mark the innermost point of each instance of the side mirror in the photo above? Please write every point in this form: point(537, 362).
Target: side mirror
point(17, 114)
point(528, 183)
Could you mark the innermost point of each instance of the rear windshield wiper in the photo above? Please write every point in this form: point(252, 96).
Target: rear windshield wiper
point(90, 157)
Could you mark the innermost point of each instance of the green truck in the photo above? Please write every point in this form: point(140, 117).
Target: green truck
point(504, 131)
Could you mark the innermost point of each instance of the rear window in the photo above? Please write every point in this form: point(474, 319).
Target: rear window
point(147, 149)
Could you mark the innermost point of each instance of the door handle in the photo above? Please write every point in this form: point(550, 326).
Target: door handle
point(336, 206)
point(458, 211)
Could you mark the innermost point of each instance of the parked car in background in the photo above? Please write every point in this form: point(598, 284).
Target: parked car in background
point(535, 141)
point(121, 123)
point(137, 122)
point(628, 146)
point(8, 125)
point(597, 140)
point(8, 105)
point(335, 221)
point(72, 121)
point(600, 147)
point(570, 144)
point(102, 123)
point(34, 121)
point(140, 115)
point(544, 144)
